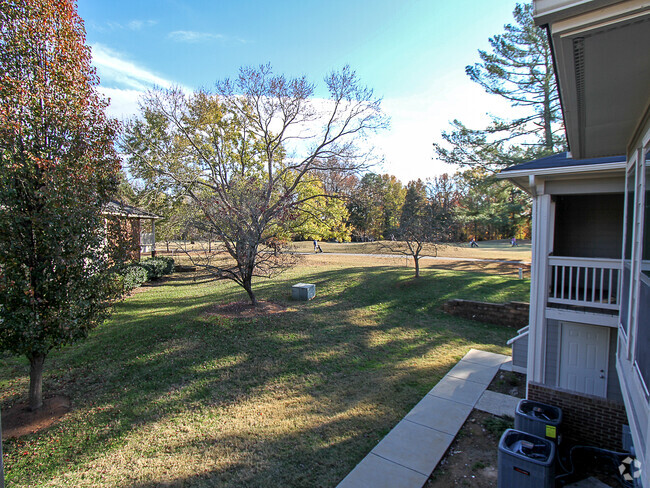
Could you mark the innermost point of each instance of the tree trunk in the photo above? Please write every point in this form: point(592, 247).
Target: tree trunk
point(417, 266)
point(249, 289)
point(36, 381)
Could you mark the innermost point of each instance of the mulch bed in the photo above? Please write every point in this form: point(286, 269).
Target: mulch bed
point(509, 383)
point(244, 309)
point(18, 420)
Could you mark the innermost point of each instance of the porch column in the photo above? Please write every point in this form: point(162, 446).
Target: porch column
point(153, 238)
point(541, 244)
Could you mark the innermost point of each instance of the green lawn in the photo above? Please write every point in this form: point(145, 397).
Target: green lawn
point(165, 394)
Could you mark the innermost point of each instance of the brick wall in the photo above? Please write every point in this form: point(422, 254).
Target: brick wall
point(513, 314)
point(586, 420)
point(124, 234)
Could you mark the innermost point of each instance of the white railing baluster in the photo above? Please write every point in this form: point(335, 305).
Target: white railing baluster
point(593, 284)
point(609, 297)
point(602, 280)
point(566, 284)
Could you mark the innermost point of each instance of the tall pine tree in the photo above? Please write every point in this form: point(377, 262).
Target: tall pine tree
point(518, 68)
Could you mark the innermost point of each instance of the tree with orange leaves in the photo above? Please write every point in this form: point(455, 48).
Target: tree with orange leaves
point(58, 168)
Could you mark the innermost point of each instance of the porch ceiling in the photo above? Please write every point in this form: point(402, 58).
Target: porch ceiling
point(603, 67)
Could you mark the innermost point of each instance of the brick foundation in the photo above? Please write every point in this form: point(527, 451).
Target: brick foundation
point(513, 314)
point(586, 420)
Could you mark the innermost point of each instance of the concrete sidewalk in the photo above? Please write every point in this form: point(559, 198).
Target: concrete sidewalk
point(409, 453)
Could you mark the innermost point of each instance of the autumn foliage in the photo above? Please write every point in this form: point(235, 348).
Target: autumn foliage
point(58, 168)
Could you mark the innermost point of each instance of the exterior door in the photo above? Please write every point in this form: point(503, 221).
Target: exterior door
point(584, 358)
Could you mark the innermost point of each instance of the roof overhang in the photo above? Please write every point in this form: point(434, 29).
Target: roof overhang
point(148, 216)
point(522, 178)
point(602, 63)
point(119, 209)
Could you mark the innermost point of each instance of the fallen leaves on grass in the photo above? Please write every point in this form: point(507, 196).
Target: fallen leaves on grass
point(246, 310)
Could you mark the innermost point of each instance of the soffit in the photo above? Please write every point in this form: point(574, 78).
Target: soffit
point(603, 68)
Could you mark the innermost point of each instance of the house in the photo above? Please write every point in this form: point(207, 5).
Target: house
point(589, 331)
point(128, 220)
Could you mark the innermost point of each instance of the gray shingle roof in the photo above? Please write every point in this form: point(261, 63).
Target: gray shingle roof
point(118, 208)
point(562, 160)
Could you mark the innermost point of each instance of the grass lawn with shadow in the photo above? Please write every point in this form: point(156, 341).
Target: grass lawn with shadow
point(166, 394)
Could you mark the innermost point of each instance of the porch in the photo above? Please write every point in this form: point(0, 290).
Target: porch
point(585, 286)
point(584, 266)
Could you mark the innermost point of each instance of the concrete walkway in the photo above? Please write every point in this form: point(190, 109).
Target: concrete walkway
point(406, 457)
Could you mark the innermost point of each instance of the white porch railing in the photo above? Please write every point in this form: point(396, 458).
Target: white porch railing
point(147, 242)
point(585, 282)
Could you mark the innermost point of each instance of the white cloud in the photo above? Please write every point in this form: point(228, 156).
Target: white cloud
point(139, 24)
point(124, 81)
point(123, 102)
point(113, 68)
point(417, 122)
point(134, 25)
point(195, 37)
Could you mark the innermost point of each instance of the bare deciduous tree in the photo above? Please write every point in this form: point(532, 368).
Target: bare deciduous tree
point(243, 153)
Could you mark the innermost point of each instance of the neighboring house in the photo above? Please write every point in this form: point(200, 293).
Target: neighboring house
point(589, 331)
point(129, 221)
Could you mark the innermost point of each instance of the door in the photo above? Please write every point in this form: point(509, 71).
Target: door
point(584, 358)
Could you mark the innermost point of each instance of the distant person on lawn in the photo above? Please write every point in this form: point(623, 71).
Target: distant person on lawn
point(473, 243)
point(315, 245)
point(513, 241)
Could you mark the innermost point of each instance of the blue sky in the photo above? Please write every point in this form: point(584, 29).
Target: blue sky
point(412, 53)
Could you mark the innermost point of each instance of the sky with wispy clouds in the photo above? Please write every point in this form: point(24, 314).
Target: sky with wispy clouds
point(413, 54)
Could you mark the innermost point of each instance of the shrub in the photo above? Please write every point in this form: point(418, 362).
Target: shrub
point(134, 276)
point(158, 267)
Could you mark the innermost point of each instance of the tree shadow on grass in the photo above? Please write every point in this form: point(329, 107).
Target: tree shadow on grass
point(360, 342)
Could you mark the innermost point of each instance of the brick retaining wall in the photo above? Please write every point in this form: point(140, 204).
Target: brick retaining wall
point(513, 314)
point(587, 420)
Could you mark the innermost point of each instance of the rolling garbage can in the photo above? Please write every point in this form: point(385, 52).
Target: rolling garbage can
point(525, 461)
point(538, 419)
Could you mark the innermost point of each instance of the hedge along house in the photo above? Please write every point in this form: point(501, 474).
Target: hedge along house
point(129, 223)
point(589, 324)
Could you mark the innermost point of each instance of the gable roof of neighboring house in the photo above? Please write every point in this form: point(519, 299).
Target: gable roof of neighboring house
point(115, 207)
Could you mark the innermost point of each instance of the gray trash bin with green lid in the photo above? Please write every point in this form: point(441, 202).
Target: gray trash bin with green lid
point(525, 461)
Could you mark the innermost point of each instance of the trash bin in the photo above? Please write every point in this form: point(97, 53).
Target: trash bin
point(525, 461)
point(538, 419)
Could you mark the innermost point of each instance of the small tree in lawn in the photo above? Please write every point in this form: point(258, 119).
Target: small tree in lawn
point(421, 226)
point(58, 168)
point(244, 154)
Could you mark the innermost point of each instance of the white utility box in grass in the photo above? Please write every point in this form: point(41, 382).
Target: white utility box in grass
point(303, 291)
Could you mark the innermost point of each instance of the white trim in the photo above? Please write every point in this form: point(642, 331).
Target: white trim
point(563, 170)
point(601, 18)
point(519, 369)
point(641, 378)
point(516, 338)
point(636, 405)
point(582, 317)
point(542, 236)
